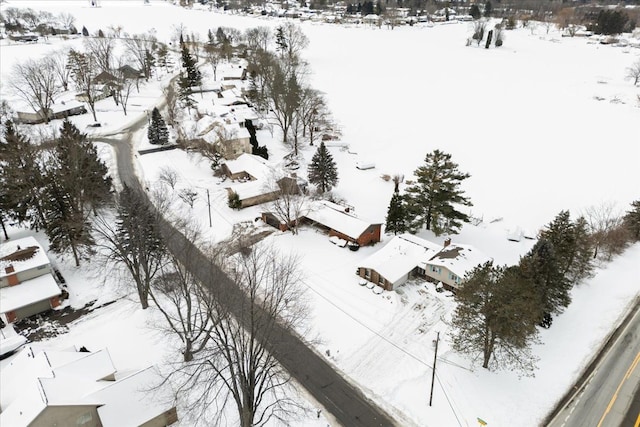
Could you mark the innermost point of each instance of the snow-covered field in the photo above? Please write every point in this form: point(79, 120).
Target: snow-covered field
point(522, 120)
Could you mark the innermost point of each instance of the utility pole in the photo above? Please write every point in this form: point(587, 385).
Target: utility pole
point(433, 374)
point(209, 205)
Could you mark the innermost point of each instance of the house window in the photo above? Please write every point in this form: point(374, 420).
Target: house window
point(420, 271)
point(435, 269)
point(367, 273)
point(381, 281)
point(455, 278)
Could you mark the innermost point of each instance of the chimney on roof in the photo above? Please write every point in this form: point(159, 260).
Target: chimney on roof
point(447, 241)
point(9, 269)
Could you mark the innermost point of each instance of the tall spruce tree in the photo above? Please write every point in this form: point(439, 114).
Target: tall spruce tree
point(323, 171)
point(22, 178)
point(84, 175)
point(157, 132)
point(631, 221)
point(67, 228)
point(541, 270)
point(397, 215)
point(77, 184)
point(572, 246)
point(494, 319)
point(193, 75)
point(436, 192)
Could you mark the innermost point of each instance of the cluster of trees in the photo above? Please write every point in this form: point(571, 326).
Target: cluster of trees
point(432, 201)
point(612, 22)
point(495, 35)
point(42, 22)
point(278, 83)
point(39, 81)
point(499, 308)
point(221, 307)
point(54, 186)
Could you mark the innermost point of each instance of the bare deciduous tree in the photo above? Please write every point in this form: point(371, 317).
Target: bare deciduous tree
point(183, 302)
point(66, 19)
point(101, 49)
point(168, 176)
point(139, 46)
point(34, 81)
point(83, 69)
point(604, 222)
point(240, 365)
point(633, 72)
point(258, 38)
point(291, 204)
point(58, 60)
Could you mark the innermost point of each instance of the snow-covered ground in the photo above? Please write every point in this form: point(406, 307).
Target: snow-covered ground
point(522, 120)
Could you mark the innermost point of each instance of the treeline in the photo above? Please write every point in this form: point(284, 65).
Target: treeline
point(55, 186)
point(499, 308)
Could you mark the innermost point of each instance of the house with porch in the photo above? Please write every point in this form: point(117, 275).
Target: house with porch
point(80, 388)
point(27, 285)
point(397, 261)
point(452, 263)
point(407, 256)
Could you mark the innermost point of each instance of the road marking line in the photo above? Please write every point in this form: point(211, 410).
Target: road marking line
point(615, 395)
point(637, 421)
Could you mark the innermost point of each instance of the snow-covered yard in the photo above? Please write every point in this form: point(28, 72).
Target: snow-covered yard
point(522, 120)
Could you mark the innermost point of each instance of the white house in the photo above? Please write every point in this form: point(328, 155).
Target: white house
point(80, 388)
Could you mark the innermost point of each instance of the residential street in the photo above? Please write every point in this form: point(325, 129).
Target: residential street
point(610, 396)
point(341, 399)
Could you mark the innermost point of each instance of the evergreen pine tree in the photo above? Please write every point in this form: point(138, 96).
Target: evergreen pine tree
point(189, 64)
point(323, 171)
point(85, 32)
point(397, 221)
point(494, 319)
point(631, 221)
point(541, 271)
point(475, 11)
point(77, 184)
point(571, 245)
point(21, 177)
point(433, 197)
point(184, 93)
point(85, 176)
point(488, 9)
point(157, 132)
point(66, 227)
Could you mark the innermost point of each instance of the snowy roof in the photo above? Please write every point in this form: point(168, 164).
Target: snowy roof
point(231, 71)
point(23, 254)
point(34, 380)
point(335, 217)
point(235, 131)
point(65, 106)
point(401, 255)
point(250, 189)
point(133, 400)
point(38, 289)
point(255, 166)
point(459, 258)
